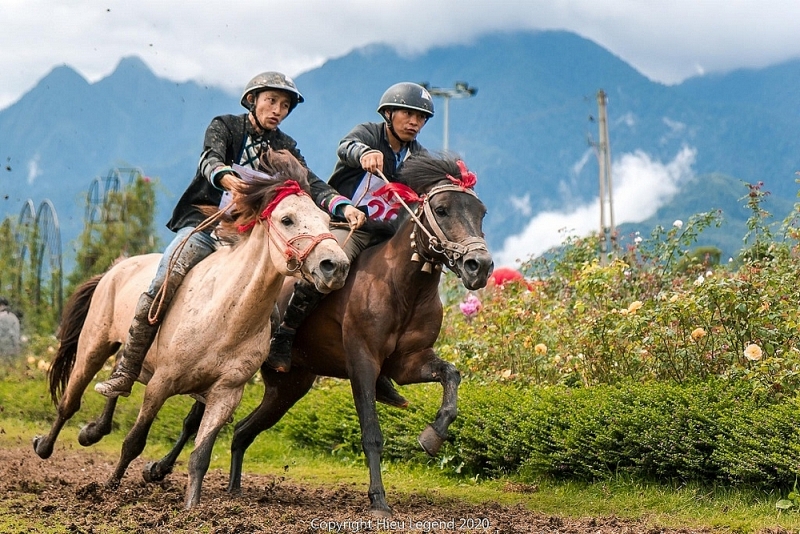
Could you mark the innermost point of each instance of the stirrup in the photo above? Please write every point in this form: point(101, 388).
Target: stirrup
point(115, 386)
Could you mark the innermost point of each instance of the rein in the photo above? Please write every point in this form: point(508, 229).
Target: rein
point(294, 256)
point(438, 243)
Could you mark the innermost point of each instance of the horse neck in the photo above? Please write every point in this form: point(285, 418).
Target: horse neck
point(250, 273)
point(408, 274)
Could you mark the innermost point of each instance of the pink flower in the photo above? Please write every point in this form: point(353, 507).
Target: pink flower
point(471, 306)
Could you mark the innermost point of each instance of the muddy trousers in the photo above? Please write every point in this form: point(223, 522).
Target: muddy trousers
point(142, 333)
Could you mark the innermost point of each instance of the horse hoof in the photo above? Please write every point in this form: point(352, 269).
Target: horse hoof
point(381, 513)
point(151, 473)
point(88, 435)
point(43, 452)
point(430, 441)
point(112, 484)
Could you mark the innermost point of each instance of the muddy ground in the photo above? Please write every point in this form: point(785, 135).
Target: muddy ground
point(66, 492)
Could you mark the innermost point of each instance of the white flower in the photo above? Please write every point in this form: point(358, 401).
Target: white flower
point(678, 224)
point(709, 274)
point(637, 239)
point(700, 280)
point(753, 352)
point(730, 260)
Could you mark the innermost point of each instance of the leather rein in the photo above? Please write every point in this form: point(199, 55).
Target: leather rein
point(438, 243)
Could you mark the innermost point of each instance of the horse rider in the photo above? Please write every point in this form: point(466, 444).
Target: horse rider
point(368, 148)
point(268, 98)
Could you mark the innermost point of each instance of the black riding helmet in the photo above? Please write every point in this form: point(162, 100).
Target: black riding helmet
point(406, 95)
point(271, 80)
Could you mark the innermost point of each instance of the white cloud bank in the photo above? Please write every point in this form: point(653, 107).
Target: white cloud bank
point(640, 186)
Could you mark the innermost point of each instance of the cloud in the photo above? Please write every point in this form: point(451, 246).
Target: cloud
point(666, 41)
point(33, 169)
point(640, 185)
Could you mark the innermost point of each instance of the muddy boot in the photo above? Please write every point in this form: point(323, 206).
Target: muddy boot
point(140, 337)
point(386, 393)
point(302, 302)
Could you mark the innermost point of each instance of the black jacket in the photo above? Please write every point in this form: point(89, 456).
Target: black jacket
point(223, 145)
point(364, 137)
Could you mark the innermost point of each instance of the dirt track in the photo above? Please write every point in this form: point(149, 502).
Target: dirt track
point(66, 492)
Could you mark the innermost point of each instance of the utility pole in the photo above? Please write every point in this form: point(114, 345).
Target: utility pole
point(461, 90)
point(608, 231)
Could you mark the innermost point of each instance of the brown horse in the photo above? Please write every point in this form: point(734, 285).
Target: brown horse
point(216, 336)
point(383, 322)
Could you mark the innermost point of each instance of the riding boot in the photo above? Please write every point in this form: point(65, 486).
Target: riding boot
point(302, 302)
point(140, 337)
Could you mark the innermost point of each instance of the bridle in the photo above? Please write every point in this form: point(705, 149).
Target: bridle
point(294, 255)
point(438, 243)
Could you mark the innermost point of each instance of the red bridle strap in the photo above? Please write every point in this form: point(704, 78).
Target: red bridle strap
point(290, 187)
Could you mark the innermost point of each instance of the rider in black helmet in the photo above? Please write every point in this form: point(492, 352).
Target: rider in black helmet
point(230, 139)
point(405, 108)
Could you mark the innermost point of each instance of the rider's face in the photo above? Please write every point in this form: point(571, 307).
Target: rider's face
point(408, 123)
point(272, 107)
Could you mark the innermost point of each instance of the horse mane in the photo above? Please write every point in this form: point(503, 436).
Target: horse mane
point(252, 196)
point(422, 172)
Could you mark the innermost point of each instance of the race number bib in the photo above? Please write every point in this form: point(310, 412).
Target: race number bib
point(379, 208)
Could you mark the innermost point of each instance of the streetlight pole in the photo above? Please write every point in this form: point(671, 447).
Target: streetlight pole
point(461, 90)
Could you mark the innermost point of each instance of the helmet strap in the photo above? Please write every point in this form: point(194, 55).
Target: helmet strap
point(390, 127)
point(253, 113)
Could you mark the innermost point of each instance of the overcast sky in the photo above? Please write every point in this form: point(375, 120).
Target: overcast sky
point(226, 43)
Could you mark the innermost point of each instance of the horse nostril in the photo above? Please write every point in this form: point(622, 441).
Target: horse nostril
point(471, 266)
point(328, 267)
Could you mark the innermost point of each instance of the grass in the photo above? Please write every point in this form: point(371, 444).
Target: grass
point(26, 411)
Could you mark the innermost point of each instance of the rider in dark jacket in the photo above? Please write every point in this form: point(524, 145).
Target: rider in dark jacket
point(230, 139)
point(369, 147)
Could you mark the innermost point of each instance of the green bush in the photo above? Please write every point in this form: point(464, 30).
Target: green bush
point(714, 432)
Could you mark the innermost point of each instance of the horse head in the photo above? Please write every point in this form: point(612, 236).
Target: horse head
point(296, 227)
point(449, 219)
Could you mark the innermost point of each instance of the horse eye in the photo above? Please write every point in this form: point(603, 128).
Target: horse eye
point(440, 211)
point(287, 221)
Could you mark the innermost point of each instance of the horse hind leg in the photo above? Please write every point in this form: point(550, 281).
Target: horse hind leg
point(281, 392)
point(100, 427)
point(157, 471)
point(80, 377)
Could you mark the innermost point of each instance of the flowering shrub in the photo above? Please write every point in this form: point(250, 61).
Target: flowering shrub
point(651, 314)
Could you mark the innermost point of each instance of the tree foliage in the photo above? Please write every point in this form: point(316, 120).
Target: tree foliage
point(125, 229)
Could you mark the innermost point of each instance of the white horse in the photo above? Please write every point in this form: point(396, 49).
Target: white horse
point(216, 334)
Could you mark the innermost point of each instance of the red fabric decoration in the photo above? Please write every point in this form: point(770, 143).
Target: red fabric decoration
point(290, 187)
point(467, 180)
point(397, 189)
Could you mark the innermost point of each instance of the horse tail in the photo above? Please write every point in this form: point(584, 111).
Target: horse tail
point(75, 312)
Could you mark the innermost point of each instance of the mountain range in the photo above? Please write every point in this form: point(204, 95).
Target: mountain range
point(526, 133)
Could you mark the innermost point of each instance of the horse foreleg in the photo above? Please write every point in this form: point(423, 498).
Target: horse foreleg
point(362, 382)
point(133, 445)
point(281, 392)
point(94, 431)
point(220, 405)
point(157, 471)
point(434, 369)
